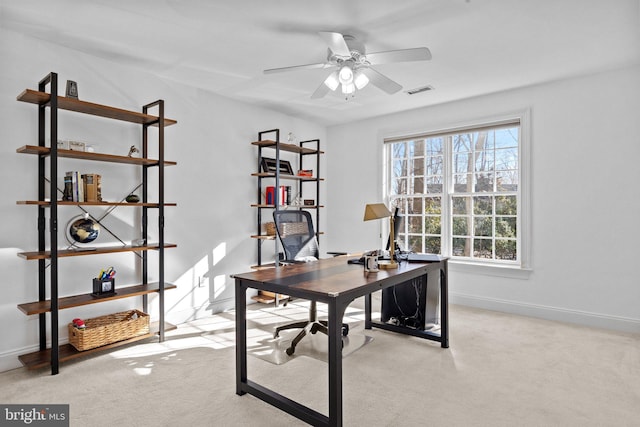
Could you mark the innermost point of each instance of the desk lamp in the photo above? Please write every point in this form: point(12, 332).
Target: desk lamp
point(377, 211)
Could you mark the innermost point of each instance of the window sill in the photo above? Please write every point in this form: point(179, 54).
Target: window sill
point(510, 271)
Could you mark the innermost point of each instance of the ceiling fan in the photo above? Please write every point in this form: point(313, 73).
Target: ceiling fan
point(352, 65)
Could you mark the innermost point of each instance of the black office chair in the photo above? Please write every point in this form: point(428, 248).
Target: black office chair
point(298, 238)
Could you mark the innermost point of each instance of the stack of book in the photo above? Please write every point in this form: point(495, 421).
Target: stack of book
point(82, 187)
point(284, 198)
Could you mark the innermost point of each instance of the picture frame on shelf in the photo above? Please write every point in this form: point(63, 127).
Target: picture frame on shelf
point(72, 89)
point(269, 165)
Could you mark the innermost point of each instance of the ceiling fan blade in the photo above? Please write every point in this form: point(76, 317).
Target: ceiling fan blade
point(381, 81)
point(321, 91)
point(297, 67)
point(402, 55)
point(336, 43)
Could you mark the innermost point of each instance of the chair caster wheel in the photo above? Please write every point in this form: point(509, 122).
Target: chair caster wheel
point(290, 351)
point(345, 330)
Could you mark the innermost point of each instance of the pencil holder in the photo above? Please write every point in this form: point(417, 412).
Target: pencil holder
point(104, 287)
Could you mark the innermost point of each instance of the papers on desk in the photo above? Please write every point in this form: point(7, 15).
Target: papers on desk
point(413, 257)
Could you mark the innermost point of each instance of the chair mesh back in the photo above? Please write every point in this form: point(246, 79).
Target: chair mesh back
point(295, 230)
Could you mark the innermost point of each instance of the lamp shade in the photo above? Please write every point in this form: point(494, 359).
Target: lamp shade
point(375, 211)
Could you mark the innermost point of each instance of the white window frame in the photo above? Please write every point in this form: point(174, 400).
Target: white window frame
point(524, 191)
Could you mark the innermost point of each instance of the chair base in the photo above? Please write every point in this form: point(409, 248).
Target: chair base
point(306, 326)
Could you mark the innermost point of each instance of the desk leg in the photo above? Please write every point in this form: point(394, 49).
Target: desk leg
point(444, 305)
point(241, 336)
point(367, 311)
point(336, 313)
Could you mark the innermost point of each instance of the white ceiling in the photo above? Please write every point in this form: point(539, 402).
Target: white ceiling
point(478, 46)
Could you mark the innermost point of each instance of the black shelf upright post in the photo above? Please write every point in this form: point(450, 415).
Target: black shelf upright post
point(316, 180)
point(261, 135)
point(145, 188)
point(52, 81)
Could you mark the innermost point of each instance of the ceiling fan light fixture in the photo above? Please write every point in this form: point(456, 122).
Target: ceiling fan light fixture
point(345, 75)
point(348, 89)
point(332, 81)
point(361, 80)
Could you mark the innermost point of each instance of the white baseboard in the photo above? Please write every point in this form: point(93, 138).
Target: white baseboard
point(596, 320)
point(9, 359)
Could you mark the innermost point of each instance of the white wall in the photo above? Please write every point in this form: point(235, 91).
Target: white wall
point(211, 184)
point(585, 205)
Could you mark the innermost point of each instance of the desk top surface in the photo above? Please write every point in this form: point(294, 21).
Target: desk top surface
point(331, 277)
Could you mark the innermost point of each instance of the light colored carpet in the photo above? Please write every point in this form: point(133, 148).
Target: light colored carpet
point(501, 370)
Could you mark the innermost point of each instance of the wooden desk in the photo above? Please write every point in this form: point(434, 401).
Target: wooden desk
point(335, 282)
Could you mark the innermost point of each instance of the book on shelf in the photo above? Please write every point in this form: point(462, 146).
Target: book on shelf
point(67, 194)
point(81, 187)
point(91, 186)
point(284, 196)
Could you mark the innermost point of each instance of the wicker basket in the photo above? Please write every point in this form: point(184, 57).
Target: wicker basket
point(108, 329)
point(271, 228)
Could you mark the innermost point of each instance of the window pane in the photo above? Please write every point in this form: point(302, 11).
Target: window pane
point(461, 225)
point(484, 161)
point(432, 225)
point(434, 185)
point(483, 226)
point(483, 205)
point(415, 224)
point(507, 181)
point(432, 245)
point(484, 182)
point(399, 168)
point(417, 166)
point(507, 137)
point(399, 186)
point(433, 165)
point(482, 248)
point(417, 185)
point(506, 250)
point(462, 183)
point(507, 158)
point(506, 226)
point(414, 205)
point(461, 163)
point(506, 205)
point(461, 205)
point(461, 143)
point(415, 148)
point(433, 205)
point(461, 247)
point(415, 244)
point(434, 146)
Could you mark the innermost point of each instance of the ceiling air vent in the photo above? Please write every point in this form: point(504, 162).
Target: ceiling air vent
point(419, 89)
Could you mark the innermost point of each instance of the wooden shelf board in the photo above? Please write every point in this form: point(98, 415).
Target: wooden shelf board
point(87, 155)
point(42, 358)
point(287, 206)
point(263, 237)
point(286, 147)
point(81, 252)
point(103, 203)
point(79, 106)
point(38, 307)
point(286, 176)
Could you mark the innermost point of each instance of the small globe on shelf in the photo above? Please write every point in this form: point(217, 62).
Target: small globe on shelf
point(82, 229)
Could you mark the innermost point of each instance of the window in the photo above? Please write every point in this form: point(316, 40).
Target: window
point(460, 192)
